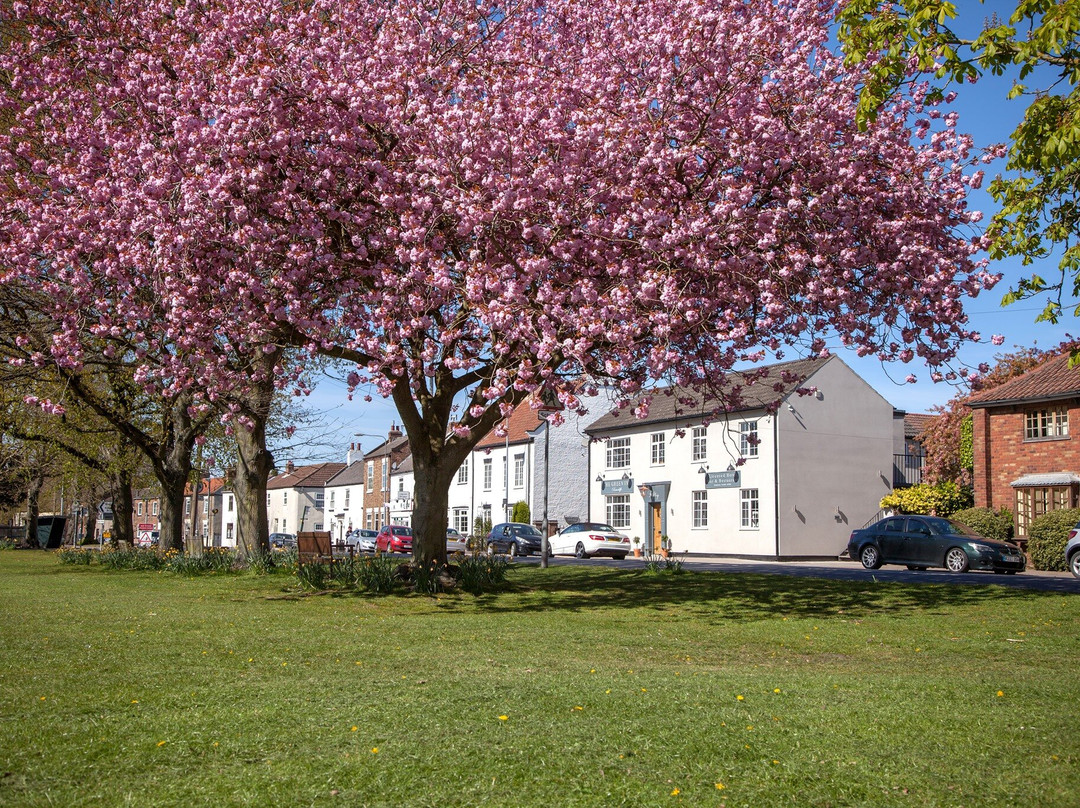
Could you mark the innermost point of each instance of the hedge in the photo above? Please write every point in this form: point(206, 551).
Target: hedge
point(987, 522)
point(1047, 537)
point(944, 499)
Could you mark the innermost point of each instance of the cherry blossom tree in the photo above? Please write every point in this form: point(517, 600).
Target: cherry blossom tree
point(476, 202)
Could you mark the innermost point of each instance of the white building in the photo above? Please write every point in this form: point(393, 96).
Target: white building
point(344, 496)
point(752, 482)
point(296, 498)
point(401, 492)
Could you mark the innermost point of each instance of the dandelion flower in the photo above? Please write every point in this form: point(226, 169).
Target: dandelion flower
point(1000, 693)
point(161, 743)
point(740, 698)
point(720, 786)
point(374, 750)
point(776, 690)
point(354, 729)
point(134, 701)
point(675, 792)
point(504, 718)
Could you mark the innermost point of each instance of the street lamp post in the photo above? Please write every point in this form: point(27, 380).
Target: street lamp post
point(544, 543)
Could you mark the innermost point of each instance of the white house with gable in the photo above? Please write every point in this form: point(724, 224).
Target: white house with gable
point(753, 482)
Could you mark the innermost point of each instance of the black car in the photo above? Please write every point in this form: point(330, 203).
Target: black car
point(282, 541)
point(514, 538)
point(931, 541)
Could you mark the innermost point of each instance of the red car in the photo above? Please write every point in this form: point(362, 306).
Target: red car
point(394, 539)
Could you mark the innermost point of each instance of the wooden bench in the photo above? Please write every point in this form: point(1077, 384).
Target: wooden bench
point(313, 547)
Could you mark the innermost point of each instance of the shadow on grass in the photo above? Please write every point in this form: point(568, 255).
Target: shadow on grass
point(727, 596)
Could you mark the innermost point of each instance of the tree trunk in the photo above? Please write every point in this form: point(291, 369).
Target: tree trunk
point(123, 529)
point(33, 510)
point(254, 463)
point(431, 499)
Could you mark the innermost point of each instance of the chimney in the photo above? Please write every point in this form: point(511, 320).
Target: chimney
point(394, 432)
point(289, 467)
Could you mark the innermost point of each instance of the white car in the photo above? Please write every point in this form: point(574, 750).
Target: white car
point(587, 539)
point(455, 542)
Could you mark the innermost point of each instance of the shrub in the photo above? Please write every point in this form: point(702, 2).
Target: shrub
point(134, 558)
point(8, 544)
point(75, 556)
point(943, 499)
point(313, 576)
point(377, 575)
point(520, 513)
point(1047, 537)
point(986, 522)
point(481, 573)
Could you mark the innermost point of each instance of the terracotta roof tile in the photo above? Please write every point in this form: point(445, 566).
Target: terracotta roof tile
point(1053, 379)
point(916, 423)
point(522, 420)
point(315, 476)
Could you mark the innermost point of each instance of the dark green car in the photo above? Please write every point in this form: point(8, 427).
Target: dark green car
point(930, 541)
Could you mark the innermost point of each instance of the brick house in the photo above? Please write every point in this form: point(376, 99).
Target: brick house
point(1024, 456)
point(378, 463)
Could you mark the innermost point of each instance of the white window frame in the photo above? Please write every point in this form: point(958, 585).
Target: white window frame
point(347, 490)
point(463, 473)
point(1046, 424)
point(617, 510)
point(519, 471)
point(699, 507)
point(748, 447)
point(699, 445)
point(749, 509)
point(617, 454)
point(487, 473)
point(658, 455)
point(371, 475)
point(461, 521)
point(332, 496)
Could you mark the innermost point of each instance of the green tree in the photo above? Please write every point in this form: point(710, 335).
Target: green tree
point(1039, 47)
point(520, 512)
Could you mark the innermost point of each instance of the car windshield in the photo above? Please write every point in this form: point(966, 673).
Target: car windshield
point(947, 527)
point(599, 526)
point(525, 530)
point(402, 531)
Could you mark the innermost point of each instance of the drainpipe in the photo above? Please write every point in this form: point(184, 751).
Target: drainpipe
point(776, 479)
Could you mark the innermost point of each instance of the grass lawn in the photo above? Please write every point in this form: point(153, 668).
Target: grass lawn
point(576, 686)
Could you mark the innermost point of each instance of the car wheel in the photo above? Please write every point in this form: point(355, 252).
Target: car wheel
point(956, 560)
point(1074, 564)
point(621, 557)
point(513, 551)
point(579, 551)
point(490, 549)
point(870, 557)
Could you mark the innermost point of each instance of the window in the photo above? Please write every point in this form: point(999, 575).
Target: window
point(701, 508)
point(154, 507)
point(284, 497)
point(369, 519)
point(618, 454)
point(320, 499)
point(659, 449)
point(318, 526)
point(749, 514)
point(463, 473)
point(461, 521)
point(519, 471)
point(229, 503)
point(487, 473)
point(267, 499)
point(284, 525)
point(187, 506)
point(140, 509)
point(699, 448)
point(618, 510)
point(347, 490)
point(371, 475)
point(748, 439)
point(332, 500)
point(206, 505)
point(1050, 423)
point(1032, 503)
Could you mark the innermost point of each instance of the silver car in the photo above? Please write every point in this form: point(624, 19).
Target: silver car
point(1072, 551)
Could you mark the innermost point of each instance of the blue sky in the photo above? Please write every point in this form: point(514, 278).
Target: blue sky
point(985, 113)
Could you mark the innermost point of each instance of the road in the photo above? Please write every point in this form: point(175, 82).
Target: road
point(851, 571)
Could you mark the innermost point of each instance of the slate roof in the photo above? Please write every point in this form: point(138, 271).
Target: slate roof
point(778, 382)
point(1052, 380)
point(387, 447)
point(350, 475)
point(315, 476)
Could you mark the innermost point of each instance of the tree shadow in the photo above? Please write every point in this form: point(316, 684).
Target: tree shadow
point(723, 596)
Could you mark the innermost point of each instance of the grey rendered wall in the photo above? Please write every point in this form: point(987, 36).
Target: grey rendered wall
point(835, 461)
point(568, 495)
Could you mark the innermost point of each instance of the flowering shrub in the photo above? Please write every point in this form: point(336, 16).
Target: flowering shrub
point(482, 573)
point(1047, 537)
point(943, 499)
point(75, 556)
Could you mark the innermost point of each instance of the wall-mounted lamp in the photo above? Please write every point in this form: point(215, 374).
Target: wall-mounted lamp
point(599, 478)
point(731, 467)
point(703, 470)
point(625, 476)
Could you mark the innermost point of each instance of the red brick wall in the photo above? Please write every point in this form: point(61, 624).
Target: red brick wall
point(1002, 455)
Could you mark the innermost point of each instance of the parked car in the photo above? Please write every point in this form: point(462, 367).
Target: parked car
point(587, 539)
point(1072, 551)
point(514, 538)
point(282, 541)
point(394, 539)
point(931, 541)
point(455, 542)
point(365, 540)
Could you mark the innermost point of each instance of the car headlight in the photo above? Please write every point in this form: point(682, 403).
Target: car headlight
point(982, 549)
